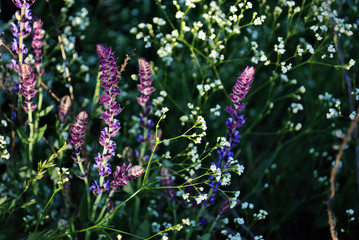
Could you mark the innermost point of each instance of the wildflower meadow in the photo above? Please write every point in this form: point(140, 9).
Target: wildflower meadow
point(179, 119)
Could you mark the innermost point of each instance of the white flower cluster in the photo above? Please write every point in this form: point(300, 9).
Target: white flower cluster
point(62, 174)
point(279, 48)
point(350, 64)
point(4, 154)
point(334, 104)
point(262, 214)
point(239, 220)
point(296, 107)
point(80, 20)
point(285, 68)
point(246, 205)
point(234, 199)
point(215, 111)
point(200, 198)
point(258, 55)
point(205, 88)
point(159, 100)
point(259, 20)
point(353, 115)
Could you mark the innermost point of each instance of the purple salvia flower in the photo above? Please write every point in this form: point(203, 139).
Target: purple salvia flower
point(64, 108)
point(27, 86)
point(19, 3)
point(145, 76)
point(124, 174)
point(77, 133)
point(96, 188)
point(37, 44)
point(109, 80)
point(21, 30)
point(236, 121)
point(240, 90)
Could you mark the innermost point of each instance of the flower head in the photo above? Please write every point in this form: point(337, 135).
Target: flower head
point(27, 86)
point(240, 90)
point(124, 174)
point(77, 133)
point(145, 76)
point(37, 44)
point(64, 108)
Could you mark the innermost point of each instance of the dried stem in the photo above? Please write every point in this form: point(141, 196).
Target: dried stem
point(348, 82)
point(51, 147)
point(333, 174)
point(8, 48)
point(63, 54)
point(48, 90)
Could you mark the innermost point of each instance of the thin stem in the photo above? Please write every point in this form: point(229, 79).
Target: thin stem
point(333, 174)
point(47, 204)
point(87, 185)
point(31, 126)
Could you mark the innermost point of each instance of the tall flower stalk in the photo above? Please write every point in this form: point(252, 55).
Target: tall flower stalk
point(27, 84)
point(145, 77)
point(78, 132)
point(22, 29)
point(27, 89)
point(109, 80)
point(233, 123)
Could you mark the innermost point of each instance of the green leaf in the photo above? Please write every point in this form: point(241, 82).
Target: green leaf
point(31, 202)
point(22, 136)
point(40, 133)
point(2, 200)
point(45, 111)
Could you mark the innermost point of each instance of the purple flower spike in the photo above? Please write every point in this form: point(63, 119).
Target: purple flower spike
point(145, 76)
point(37, 44)
point(109, 80)
point(64, 108)
point(27, 86)
point(77, 133)
point(240, 90)
point(226, 161)
point(124, 174)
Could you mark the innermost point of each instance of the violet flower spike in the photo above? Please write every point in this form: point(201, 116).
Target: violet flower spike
point(145, 76)
point(27, 86)
point(21, 30)
point(77, 133)
point(37, 44)
point(109, 80)
point(226, 154)
point(240, 90)
point(124, 174)
point(64, 108)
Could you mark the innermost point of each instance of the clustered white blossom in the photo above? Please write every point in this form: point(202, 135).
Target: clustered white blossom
point(4, 154)
point(262, 214)
point(334, 105)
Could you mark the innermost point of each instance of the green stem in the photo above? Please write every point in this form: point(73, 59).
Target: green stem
point(96, 95)
point(87, 186)
point(31, 126)
point(97, 201)
point(104, 207)
point(47, 204)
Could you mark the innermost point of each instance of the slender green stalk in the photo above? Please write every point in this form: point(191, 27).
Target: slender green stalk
point(87, 186)
point(31, 137)
point(96, 95)
point(47, 204)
